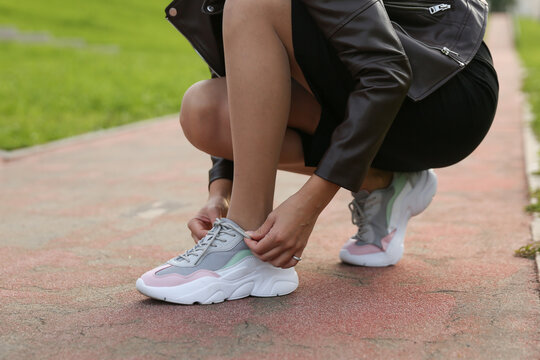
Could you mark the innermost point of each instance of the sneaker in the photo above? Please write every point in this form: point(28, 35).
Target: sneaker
point(382, 216)
point(220, 267)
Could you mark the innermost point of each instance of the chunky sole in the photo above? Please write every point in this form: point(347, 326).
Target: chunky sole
point(411, 202)
point(249, 277)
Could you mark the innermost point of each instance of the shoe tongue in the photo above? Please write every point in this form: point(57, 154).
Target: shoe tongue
point(205, 240)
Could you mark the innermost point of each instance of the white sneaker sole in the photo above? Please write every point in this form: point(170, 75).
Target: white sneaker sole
point(407, 204)
point(250, 276)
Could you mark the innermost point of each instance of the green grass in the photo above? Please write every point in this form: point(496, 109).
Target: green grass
point(532, 208)
point(134, 66)
point(529, 251)
point(527, 40)
point(527, 44)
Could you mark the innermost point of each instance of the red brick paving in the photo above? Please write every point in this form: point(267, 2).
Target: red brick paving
point(81, 223)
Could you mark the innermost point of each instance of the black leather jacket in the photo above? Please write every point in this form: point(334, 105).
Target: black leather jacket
point(392, 50)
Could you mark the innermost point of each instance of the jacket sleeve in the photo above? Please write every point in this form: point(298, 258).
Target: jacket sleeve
point(370, 49)
point(221, 169)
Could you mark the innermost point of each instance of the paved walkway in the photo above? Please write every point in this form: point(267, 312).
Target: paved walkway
point(80, 223)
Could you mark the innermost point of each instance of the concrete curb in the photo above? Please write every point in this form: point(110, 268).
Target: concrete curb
point(9, 156)
point(532, 169)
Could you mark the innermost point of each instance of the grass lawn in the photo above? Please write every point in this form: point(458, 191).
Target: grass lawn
point(528, 38)
point(106, 63)
point(528, 41)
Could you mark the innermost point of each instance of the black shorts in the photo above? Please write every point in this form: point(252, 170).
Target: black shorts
point(437, 131)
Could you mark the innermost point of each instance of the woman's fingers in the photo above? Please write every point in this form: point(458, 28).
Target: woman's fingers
point(263, 246)
point(266, 249)
point(215, 212)
point(199, 226)
point(271, 254)
point(252, 245)
point(278, 239)
point(285, 260)
point(290, 264)
point(276, 256)
point(277, 252)
point(263, 230)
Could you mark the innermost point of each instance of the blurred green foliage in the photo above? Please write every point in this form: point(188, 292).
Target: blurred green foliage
point(501, 5)
point(528, 40)
point(529, 251)
point(106, 63)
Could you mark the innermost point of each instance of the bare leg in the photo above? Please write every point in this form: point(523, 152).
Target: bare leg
point(258, 52)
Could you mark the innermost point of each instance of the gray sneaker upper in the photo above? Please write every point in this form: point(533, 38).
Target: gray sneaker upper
point(368, 211)
point(371, 212)
point(212, 252)
point(376, 213)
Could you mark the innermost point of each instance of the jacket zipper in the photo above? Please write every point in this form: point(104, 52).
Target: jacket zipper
point(419, 6)
point(453, 55)
point(446, 51)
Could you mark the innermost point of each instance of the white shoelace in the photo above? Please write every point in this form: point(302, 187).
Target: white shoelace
point(358, 218)
point(219, 227)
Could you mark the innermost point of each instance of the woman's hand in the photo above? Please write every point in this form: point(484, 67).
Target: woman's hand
point(286, 231)
point(216, 207)
point(284, 234)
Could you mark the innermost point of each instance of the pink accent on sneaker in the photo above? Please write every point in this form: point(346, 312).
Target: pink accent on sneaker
point(354, 249)
point(151, 279)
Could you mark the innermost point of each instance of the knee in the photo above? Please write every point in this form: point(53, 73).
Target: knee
point(201, 113)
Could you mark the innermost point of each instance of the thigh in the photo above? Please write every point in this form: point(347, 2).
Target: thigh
point(278, 14)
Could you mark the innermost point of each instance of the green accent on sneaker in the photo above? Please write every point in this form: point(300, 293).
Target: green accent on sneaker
point(237, 257)
point(398, 184)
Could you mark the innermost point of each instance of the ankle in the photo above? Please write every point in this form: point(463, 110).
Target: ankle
point(250, 222)
point(377, 179)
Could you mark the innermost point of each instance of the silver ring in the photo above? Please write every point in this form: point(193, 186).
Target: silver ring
point(297, 258)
